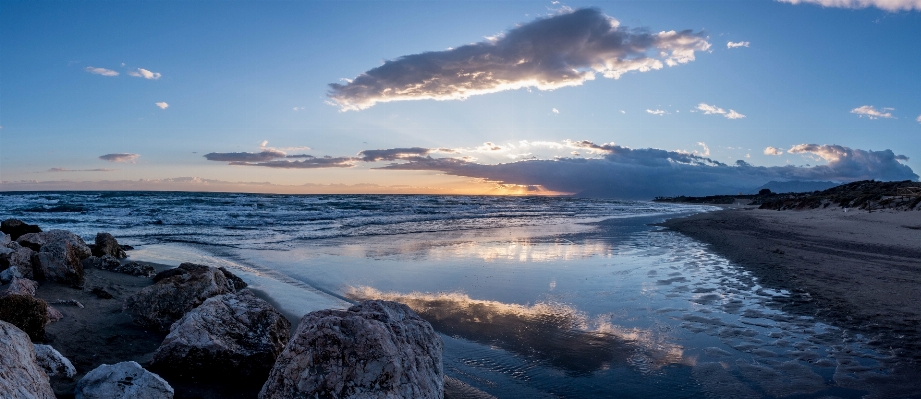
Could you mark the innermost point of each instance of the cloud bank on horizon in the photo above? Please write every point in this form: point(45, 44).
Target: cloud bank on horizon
point(888, 5)
point(615, 171)
point(559, 51)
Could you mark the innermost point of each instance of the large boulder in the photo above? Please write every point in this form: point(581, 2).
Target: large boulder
point(59, 255)
point(27, 313)
point(16, 228)
point(126, 380)
point(15, 255)
point(19, 286)
point(377, 349)
point(107, 245)
point(158, 306)
point(53, 362)
point(235, 334)
point(20, 374)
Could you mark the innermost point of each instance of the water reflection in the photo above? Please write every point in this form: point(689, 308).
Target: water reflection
point(556, 333)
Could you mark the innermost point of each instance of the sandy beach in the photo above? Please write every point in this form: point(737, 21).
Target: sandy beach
point(854, 269)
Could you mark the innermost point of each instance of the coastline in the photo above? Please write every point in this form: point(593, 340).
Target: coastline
point(857, 270)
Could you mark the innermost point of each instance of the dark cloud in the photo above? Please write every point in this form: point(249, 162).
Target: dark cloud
point(393, 154)
point(645, 173)
point(563, 50)
point(120, 157)
point(262, 156)
point(308, 163)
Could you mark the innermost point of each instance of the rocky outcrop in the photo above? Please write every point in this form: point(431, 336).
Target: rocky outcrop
point(53, 362)
point(237, 282)
point(19, 286)
point(20, 374)
point(377, 349)
point(104, 262)
point(16, 228)
point(125, 380)
point(230, 335)
point(160, 305)
point(108, 262)
point(107, 245)
point(26, 313)
point(15, 255)
point(59, 255)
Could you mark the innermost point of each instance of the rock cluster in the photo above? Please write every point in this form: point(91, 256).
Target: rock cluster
point(160, 305)
point(20, 374)
point(15, 228)
point(59, 255)
point(234, 334)
point(376, 349)
point(110, 263)
point(125, 380)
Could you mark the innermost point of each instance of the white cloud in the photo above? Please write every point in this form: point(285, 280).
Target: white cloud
point(556, 111)
point(919, 119)
point(120, 157)
point(623, 112)
point(737, 44)
point(549, 53)
point(871, 112)
point(101, 71)
point(714, 110)
point(162, 105)
point(657, 112)
point(143, 73)
point(888, 5)
point(773, 151)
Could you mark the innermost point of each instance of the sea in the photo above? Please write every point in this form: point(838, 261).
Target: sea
point(534, 297)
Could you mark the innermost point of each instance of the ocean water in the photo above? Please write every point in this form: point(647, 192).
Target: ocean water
point(533, 296)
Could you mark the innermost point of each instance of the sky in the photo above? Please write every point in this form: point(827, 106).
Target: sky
point(630, 99)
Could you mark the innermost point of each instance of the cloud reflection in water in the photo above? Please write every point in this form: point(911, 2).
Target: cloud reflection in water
point(557, 333)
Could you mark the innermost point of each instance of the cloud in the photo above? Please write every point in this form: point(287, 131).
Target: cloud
point(80, 170)
point(262, 156)
point(556, 111)
point(394, 154)
point(919, 119)
point(644, 173)
point(657, 112)
point(737, 44)
point(773, 151)
point(870, 112)
point(143, 73)
point(120, 157)
point(714, 110)
point(310, 162)
point(888, 5)
point(101, 71)
point(558, 51)
point(162, 105)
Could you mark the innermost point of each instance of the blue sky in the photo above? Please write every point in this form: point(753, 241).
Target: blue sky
point(235, 74)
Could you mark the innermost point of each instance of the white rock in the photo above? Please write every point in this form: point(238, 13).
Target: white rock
point(53, 362)
point(377, 349)
point(20, 374)
point(126, 380)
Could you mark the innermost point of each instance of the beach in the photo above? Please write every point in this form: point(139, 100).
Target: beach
point(857, 269)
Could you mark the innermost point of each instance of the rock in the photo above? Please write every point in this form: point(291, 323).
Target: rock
point(107, 245)
point(160, 305)
point(105, 262)
point(9, 274)
point(26, 313)
point(5, 239)
point(36, 241)
point(60, 263)
point(101, 293)
point(53, 315)
point(126, 380)
point(20, 374)
point(16, 228)
point(236, 335)
point(169, 273)
point(238, 283)
point(137, 269)
point(19, 286)
point(53, 362)
point(20, 257)
point(377, 349)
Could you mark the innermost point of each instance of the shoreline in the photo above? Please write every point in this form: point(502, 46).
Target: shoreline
point(856, 270)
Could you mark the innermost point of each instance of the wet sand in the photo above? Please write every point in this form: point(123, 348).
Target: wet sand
point(857, 270)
